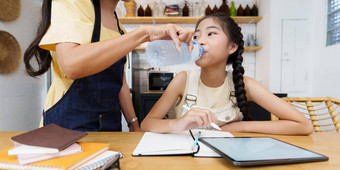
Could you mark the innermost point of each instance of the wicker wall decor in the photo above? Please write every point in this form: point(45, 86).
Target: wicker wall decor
point(10, 10)
point(10, 53)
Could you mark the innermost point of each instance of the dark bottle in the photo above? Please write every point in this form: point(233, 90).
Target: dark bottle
point(232, 10)
point(186, 9)
point(148, 11)
point(254, 11)
point(240, 11)
point(208, 10)
point(215, 9)
point(140, 11)
point(247, 11)
point(224, 7)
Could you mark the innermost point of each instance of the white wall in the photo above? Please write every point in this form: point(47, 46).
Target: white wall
point(269, 58)
point(21, 97)
point(263, 39)
point(322, 62)
point(326, 60)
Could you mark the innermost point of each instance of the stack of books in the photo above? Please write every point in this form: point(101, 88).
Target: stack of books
point(54, 147)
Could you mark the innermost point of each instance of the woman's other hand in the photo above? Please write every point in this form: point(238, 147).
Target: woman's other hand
point(135, 127)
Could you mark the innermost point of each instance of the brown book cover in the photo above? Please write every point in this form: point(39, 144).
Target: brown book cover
point(49, 136)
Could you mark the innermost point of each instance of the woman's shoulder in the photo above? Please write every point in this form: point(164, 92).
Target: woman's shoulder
point(85, 7)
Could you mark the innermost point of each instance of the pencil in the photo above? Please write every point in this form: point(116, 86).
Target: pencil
point(196, 140)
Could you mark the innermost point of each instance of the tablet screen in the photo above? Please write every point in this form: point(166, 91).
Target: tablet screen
point(243, 149)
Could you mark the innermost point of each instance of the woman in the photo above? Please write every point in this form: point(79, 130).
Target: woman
point(84, 43)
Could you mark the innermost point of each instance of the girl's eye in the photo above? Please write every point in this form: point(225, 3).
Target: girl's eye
point(195, 37)
point(211, 33)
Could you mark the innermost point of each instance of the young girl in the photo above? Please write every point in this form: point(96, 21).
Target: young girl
point(215, 95)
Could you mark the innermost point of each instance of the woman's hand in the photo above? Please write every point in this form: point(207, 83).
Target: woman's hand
point(172, 31)
point(135, 127)
point(194, 118)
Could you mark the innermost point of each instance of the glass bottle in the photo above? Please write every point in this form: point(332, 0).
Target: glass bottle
point(224, 7)
point(208, 10)
point(140, 11)
point(232, 10)
point(215, 9)
point(247, 11)
point(240, 11)
point(186, 9)
point(254, 11)
point(148, 11)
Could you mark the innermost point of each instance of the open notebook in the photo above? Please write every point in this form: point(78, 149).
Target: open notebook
point(179, 143)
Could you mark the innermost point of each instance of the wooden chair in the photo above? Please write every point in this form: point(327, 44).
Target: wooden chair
point(322, 111)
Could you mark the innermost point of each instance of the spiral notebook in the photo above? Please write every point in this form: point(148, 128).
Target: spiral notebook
point(90, 151)
point(101, 160)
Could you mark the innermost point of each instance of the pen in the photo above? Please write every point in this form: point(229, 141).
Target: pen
point(196, 140)
point(215, 126)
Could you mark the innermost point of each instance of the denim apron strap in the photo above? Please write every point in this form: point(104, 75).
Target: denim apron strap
point(91, 103)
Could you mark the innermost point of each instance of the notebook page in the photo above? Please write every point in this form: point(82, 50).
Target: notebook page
point(163, 144)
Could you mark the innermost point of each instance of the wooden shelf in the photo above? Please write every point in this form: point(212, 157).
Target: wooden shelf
point(180, 20)
point(245, 48)
point(252, 48)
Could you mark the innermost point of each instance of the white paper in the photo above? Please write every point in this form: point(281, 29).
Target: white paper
point(30, 158)
point(176, 143)
point(25, 149)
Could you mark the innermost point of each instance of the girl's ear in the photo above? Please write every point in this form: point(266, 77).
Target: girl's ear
point(232, 48)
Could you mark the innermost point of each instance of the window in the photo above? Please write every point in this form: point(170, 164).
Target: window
point(333, 26)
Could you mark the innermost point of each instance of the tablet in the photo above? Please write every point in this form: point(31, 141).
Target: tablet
point(250, 151)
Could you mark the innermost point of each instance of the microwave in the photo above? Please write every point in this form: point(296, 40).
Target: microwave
point(159, 81)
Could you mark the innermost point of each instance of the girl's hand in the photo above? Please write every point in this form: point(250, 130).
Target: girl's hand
point(194, 118)
point(234, 126)
point(172, 31)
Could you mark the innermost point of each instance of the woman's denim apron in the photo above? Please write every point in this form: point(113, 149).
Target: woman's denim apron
point(91, 103)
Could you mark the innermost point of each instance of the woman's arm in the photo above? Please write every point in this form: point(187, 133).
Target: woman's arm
point(126, 105)
point(79, 61)
point(291, 122)
point(194, 118)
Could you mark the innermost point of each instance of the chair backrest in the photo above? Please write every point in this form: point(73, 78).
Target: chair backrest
point(322, 111)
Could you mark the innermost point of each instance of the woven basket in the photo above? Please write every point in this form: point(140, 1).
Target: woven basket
point(10, 53)
point(10, 10)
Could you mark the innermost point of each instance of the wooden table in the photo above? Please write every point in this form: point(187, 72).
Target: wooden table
point(325, 143)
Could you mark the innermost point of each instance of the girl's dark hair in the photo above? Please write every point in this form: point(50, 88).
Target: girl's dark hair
point(42, 57)
point(235, 36)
